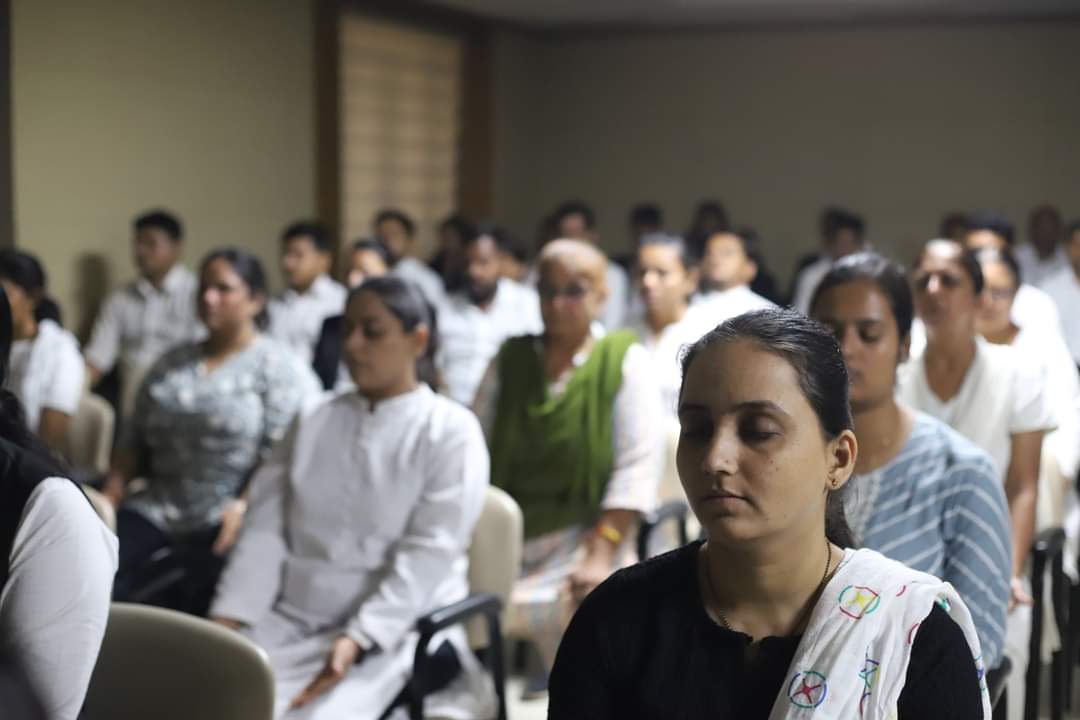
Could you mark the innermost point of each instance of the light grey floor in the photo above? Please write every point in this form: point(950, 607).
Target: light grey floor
point(518, 709)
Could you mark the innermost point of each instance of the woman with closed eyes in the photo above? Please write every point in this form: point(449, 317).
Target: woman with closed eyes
point(774, 614)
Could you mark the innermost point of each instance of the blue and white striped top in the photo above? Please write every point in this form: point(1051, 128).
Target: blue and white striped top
point(939, 507)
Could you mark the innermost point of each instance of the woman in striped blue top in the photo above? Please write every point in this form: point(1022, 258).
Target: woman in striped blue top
point(922, 494)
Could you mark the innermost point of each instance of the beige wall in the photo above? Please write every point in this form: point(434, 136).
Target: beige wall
point(205, 107)
point(901, 124)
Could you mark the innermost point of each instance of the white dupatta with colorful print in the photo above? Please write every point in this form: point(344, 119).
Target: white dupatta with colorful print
point(852, 660)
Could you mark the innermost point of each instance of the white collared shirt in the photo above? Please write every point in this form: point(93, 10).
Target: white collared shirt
point(1035, 270)
point(140, 322)
point(726, 304)
point(46, 372)
point(426, 280)
point(1064, 289)
point(296, 318)
point(469, 337)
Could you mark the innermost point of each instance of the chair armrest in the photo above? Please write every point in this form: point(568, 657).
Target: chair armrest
point(995, 680)
point(444, 617)
point(672, 510)
point(1048, 543)
point(485, 604)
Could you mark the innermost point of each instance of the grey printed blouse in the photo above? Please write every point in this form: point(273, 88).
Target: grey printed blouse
point(200, 434)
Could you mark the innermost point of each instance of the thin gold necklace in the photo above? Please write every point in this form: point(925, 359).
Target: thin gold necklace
point(716, 598)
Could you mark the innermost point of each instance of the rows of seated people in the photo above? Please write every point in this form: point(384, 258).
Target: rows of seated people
point(315, 460)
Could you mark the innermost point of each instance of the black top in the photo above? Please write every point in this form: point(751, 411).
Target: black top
point(20, 473)
point(643, 646)
point(326, 358)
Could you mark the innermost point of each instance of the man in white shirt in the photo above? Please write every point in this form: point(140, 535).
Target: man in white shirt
point(843, 233)
point(1031, 307)
point(576, 221)
point(1043, 256)
point(1064, 289)
point(397, 232)
point(297, 314)
point(727, 269)
point(152, 314)
point(474, 322)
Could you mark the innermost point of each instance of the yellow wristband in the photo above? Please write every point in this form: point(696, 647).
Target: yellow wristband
point(609, 533)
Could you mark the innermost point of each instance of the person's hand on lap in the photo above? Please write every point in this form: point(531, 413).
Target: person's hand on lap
point(345, 653)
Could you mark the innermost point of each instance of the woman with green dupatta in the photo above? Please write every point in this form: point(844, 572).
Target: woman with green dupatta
point(572, 419)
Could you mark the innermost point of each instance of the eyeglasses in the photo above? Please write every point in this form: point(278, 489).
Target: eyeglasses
point(573, 292)
point(948, 281)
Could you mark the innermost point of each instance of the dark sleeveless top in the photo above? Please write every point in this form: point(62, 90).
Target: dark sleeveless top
point(20, 472)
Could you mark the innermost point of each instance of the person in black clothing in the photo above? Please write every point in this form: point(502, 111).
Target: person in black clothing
point(369, 258)
point(57, 561)
point(714, 629)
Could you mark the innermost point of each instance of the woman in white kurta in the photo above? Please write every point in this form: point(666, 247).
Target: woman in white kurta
point(360, 523)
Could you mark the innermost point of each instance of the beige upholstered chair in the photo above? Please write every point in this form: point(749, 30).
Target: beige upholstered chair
point(90, 435)
point(495, 555)
point(165, 665)
point(494, 565)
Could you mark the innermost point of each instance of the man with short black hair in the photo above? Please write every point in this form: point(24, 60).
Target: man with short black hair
point(397, 231)
point(310, 296)
point(729, 265)
point(150, 315)
point(475, 321)
point(574, 220)
point(843, 233)
point(1044, 254)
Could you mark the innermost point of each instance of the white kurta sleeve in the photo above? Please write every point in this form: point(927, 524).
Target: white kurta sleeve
point(55, 605)
point(250, 583)
point(436, 537)
point(1032, 408)
point(104, 346)
point(638, 437)
point(66, 387)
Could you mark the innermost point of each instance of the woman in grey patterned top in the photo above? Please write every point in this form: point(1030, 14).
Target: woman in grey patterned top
point(205, 415)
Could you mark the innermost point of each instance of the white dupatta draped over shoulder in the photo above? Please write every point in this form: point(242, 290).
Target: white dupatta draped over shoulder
point(853, 658)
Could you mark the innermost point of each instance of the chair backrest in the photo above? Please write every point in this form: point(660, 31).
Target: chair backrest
point(90, 435)
point(102, 506)
point(495, 553)
point(161, 664)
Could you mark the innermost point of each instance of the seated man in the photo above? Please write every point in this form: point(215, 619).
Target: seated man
point(728, 268)
point(842, 233)
point(475, 321)
point(297, 314)
point(152, 314)
point(397, 232)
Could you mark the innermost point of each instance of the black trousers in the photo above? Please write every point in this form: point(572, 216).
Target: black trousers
point(190, 563)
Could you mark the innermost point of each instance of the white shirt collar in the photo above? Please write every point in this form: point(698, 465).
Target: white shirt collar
point(173, 282)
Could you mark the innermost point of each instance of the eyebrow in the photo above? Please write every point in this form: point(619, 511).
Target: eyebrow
point(765, 405)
